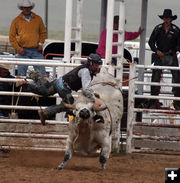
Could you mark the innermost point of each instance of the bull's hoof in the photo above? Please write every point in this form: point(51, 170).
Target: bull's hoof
point(103, 166)
point(59, 168)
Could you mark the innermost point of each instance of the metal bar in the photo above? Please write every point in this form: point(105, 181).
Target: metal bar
point(156, 111)
point(156, 125)
point(27, 94)
point(120, 47)
point(130, 109)
point(117, 56)
point(161, 117)
point(46, 16)
point(33, 121)
point(157, 84)
point(75, 29)
point(116, 44)
point(109, 34)
point(156, 97)
point(142, 42)
point(144, 8)
point(78, 33)
point(120, 31)
point(32, 148)
point(68, 29)
point(31, 135)
point(7, 60)
point(45, 63)
point(22, 107)
point(150, 151)
point(103, 16)
point(156, 67)
point(156, 138)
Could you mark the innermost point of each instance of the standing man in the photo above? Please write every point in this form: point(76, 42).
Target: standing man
point(165, 43)
point(27, 35)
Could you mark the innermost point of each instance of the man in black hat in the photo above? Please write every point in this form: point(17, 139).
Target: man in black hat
point(165, 43)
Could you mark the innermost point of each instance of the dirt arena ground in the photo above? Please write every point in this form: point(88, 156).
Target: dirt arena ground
point(38, 167)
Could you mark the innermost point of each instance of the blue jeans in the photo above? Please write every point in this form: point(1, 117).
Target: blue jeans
point(31, 53)
point(56, 86)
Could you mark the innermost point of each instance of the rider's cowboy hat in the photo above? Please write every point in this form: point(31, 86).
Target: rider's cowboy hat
point(6, 66)
point(25, 3)
point(168, 14)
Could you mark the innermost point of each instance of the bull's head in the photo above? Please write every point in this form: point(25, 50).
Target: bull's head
point(84, 110)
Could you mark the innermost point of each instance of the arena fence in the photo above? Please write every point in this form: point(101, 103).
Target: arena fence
point(30, 133)
point(159, 129)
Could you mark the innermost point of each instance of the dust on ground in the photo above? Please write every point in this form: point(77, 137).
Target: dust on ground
point(39, 167)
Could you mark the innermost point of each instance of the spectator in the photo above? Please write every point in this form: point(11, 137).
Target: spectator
point(102, 42)
point(27, 35)
point(165, 43)
point(79, 77)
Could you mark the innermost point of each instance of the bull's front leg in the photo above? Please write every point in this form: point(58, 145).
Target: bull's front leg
point(105, 150)
point(67, 157)
point(69, 148)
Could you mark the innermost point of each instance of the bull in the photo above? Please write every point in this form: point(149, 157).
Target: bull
point(86, 135)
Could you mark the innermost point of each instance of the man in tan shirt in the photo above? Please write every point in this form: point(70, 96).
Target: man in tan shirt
point(27, 35)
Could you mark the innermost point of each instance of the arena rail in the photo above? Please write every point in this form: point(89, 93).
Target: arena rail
point(159, 129)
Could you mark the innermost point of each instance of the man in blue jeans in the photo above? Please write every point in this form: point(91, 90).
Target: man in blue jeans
point(78, 78)
point(31, 53)
point(27, 35)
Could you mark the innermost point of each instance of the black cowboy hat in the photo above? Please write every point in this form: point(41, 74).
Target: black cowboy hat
point(168, 14)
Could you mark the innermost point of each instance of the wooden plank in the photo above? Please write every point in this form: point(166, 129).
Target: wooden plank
point(32, 142)
point(33, 135)
point(156, 131)
point(34, 148)
point(157, 152)
point(154, 144)
point(33, 128)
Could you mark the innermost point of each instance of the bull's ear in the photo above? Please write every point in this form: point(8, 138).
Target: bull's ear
point(69, 106)
point(97, 108)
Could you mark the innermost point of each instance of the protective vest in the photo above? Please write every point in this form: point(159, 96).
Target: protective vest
point(73, 80)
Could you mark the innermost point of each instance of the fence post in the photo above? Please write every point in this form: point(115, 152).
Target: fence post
point(130, 107)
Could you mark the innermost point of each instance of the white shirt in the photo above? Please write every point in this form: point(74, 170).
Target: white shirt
point(85, 76)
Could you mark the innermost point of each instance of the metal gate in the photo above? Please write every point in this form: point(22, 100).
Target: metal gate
point(159, 129)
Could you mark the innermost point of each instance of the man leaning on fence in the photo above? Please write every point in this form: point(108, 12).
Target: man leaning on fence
point(165, 43)
point(27, 35)
point(5, 86)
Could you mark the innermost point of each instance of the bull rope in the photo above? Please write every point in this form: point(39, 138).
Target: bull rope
point(113, 84)
point(13, 110)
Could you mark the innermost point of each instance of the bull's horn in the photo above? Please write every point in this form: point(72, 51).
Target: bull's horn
point(69, 106)
point(102, 108)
